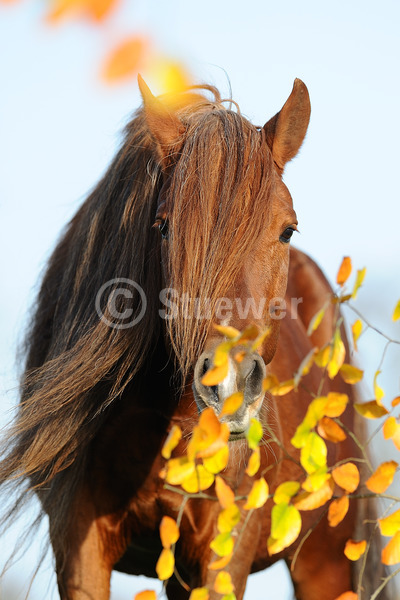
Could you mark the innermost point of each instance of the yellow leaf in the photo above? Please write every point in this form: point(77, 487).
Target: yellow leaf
point(305, 366)
point(285, 491)
point(391, 524)
point(396, 312)
point(224, 493)
point(260, 339)
point(199, 480)
point(165, 565)
point(199, 594)
point(316, 410)
point(221, 354)
point(271, 381)
point(338, 510)
point(356, 330)
point(371, 410)
point(391, 552)
point(336, 404)
point(208, 436)
point(169, 532)
point(125, 60)
point(391, 430)
point(258, 494)
point(331, 431)
point(146, 595)
point(254, 462)
point(230, 332)
point(232, 404)
point(249, 334)
point(316, 320)
point(312, 500)
point(178, 469)
point(223, 583)
point(222, 545)
point(351, 374)
point(316, 480)
point(359, 281)
point(382, 478)
point(169, 76)
point(285, 527)
point(378, 391)
point(218, 461)
point(220, 563)
point(282, 388)
point(216, 375)
point(172, 441)
point(313, 454)
point(228, 519)
point(344, 271)
point(254, 434)
point(347, 476)
point(353, 550)
point(338, 355)
point(321, 357)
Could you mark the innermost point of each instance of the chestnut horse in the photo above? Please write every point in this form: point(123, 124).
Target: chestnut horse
point(117, 350)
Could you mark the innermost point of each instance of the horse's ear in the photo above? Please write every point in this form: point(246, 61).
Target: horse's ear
point(285, 132)
point(163, 124)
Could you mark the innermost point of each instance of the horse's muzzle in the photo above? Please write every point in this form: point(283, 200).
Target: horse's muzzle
point(245, 376)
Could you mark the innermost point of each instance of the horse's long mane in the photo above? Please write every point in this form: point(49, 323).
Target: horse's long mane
point(77, 366)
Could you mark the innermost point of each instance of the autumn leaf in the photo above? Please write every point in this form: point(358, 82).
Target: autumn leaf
point(209, 436)
point(378, 391)
point(316, 320)
point(221, 354)
point(215, 375)
point(170, 76)
point(396, 312)
point(330, 430)
point(359, 281)
point(382, 478)
point(304, 367)
point(146, 595)
point(391, 552)
point(125, 60)
point(285, 527)
point(199, 480)
point(353, 550)
point(223, 544)
point(336, 404)
point(258, 494)
point(321, 357)
point(371, 409)
point(220, 563)
point(270, 382)
point(338, 355)
point(172, 441)
point(391, 524)
point(356, 330)
point(179, 469)
point(165, 564)
point(228, 518)
point(347, 476)
point(344, 271)
point(199, 594)
point(283, 388)
point(230, 332)
point(249, 334)
point(351, 374)
point(347, 596)
point(169, 532)
point(218, 461)
point(260, 339)
point(232, 404)
point(223, 583)
point(391, 430)
point(254, 462)
point(224, 493)
point(338, 510)
point(312, 500)
point(313, 454)
point(254, 434)
point(285, 491)
point(396, 401)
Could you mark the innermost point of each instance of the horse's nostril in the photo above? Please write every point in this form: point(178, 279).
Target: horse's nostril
point(206, 365)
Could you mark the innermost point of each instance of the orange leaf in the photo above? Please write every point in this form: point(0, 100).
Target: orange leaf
point(220, 563)
point(165, 565)
point(223, 583)
point(338, 510)
point(347, 476)
point(215, 375)
point(171, 442)
point(351, 374)
point(224, 493)
point(312, 500)
point(125, 60)
point(371, 409)
point(169, 532)
point(336, 404)
point(391, 552)
point(353, 550)
point(146, 595)
point(208, 436)
point(344, 271)
point(382, 478)
point(331, 431)
point(100, 9)
point(391, 430)
point(396, 401)
point(347, 596)
point(232, 404)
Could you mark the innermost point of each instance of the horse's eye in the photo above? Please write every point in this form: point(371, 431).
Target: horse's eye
point(286, 235)
point(163, 227)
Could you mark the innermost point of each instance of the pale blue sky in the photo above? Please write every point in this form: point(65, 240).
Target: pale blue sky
point(59, 128)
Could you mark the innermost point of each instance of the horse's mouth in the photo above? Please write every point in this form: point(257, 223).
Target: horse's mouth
point(237, 435)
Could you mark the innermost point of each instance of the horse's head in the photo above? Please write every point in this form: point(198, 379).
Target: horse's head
point(225, 219)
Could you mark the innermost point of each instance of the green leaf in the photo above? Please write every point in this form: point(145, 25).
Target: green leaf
point(254, 434)
point(285, 491)
point(313, 454)
point(222, 544)
point(285, 527)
